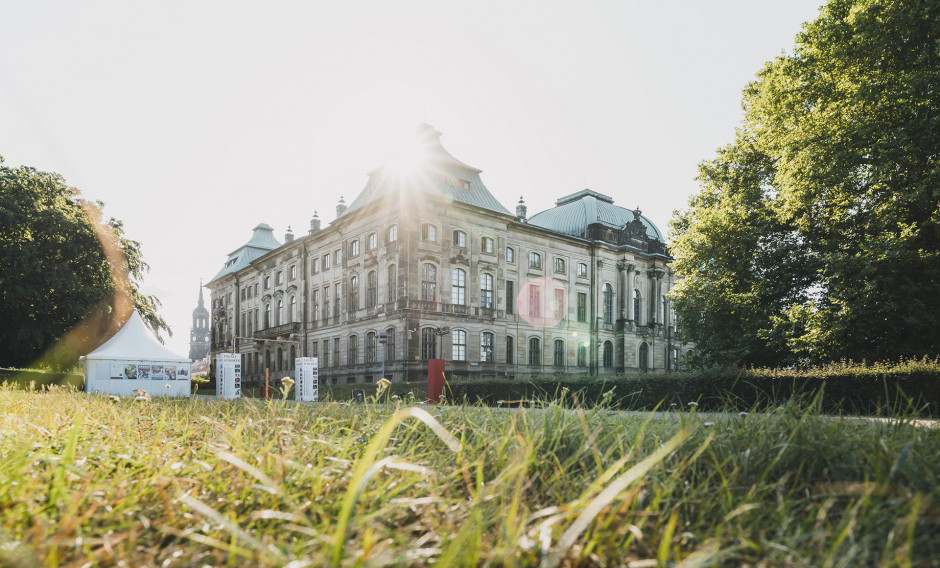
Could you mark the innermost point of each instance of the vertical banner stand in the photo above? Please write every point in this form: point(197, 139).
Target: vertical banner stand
point(307, 378)
point(435, 379)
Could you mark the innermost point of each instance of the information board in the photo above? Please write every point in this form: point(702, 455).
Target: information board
point(307, 374)
point(228, 375)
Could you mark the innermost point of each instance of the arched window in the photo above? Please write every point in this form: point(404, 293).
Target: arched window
point(370, 347)
point(354, 293)
point(267, 315)
point(293, 355)
point(279, 314)
point(390, 344)
point(486, 290)
point(428, 343)
point(428, 282)
point(582, 354)
point(392, 284)
point(559, 358)
point(371, 242)
point(267, 359)
point(353, 350)
point(535, 260)
point(280, 359)
point(372, 284)
point(279, 277)
point(608, 303)
point(510, 255)
point(535, 351)
point(458, 287)
point(292, 308)
point(636, 306)
point(486, 347)
point(608, 354)
point(392, 234)
point(460, 239)
point(459, 345)
point(644, 357)
point(354, 248)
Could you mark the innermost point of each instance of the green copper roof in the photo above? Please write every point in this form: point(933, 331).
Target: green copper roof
point(262, 240)
point(573, 213)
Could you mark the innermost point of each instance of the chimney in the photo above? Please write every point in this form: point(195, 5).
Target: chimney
point(341, 206)
point(314, 223)
point(521, 209)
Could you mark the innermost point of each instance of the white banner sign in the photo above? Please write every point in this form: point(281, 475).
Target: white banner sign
point(228, 375)
point(307, 375)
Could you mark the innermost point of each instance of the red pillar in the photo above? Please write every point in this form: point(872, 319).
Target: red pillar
point(435, 379)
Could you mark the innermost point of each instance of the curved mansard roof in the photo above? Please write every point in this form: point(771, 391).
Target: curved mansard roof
point(437, 172)
point(573, 213)
point(262, 240)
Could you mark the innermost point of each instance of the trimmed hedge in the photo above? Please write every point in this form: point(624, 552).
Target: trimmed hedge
point(908, 387)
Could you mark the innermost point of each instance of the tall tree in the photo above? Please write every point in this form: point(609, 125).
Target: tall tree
point(67, 278)
point(847, 127)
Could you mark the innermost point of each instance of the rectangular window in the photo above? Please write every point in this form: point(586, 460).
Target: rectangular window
point(315, 305)
point(314, 266)
point(535, 301)
point(429, 232)
point(560, 304)
point(486, 290)
point(487, 245)
point(293, 272)
point(582, 270)
point(460, 239)
point(510, 297)
point(510, 350)
point(326, 261)
point(353, 249)
point(371, 242)
point(336, 352)
point(510, 255)
point(559, 265)
point(582, 306)
point(559, 358)
point(326, 352)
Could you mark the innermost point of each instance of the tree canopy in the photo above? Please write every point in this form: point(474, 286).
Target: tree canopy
point(815, 235)
point(68, 280)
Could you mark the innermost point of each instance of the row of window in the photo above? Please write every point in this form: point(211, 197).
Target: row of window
point(536, 305)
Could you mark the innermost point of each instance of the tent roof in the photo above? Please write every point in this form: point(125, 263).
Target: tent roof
point(135, 341)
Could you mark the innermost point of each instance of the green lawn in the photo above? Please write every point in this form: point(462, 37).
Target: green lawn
point(86, 480)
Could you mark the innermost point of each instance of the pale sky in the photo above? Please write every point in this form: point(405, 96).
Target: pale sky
point(195, 121)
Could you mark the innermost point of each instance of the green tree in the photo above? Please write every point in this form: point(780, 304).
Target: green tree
point(67, 279)
point(831, 192)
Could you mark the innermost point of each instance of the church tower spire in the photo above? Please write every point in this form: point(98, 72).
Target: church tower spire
point(199, 333)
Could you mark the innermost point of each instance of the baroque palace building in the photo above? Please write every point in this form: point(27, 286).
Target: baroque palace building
point(427, 264)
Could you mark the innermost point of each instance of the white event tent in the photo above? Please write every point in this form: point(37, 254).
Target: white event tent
point(135, 359)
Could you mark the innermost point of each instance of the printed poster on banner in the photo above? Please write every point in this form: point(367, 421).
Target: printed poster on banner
point(307, 375)
point(228, 372)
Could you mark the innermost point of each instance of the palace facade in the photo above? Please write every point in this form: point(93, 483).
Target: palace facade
point(427, 264)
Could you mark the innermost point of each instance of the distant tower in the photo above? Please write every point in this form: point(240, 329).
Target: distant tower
point(199, 334)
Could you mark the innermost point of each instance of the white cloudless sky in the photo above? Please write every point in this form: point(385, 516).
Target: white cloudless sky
point(195, 121)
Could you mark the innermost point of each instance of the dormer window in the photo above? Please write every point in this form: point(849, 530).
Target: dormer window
point(460, 239)
point(465, 184)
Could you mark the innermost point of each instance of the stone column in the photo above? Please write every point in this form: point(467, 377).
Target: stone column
point(631, 317)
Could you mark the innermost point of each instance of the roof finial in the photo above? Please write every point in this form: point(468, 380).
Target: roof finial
point(521, 209)
point(314, 223)
point(341, 206)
